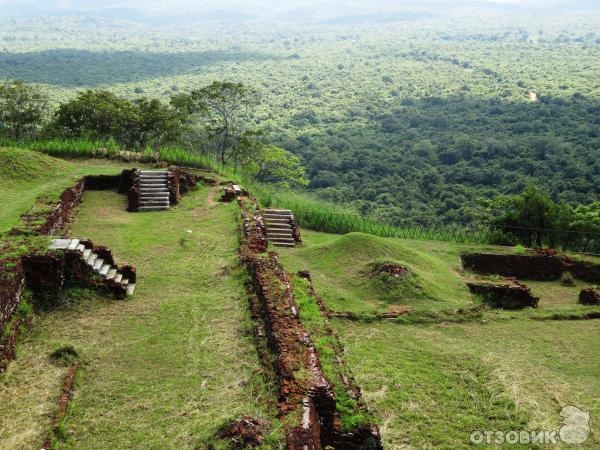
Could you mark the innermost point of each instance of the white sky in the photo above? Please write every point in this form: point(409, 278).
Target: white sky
point(158, 6)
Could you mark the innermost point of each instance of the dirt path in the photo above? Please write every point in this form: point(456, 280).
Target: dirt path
point(212, 194)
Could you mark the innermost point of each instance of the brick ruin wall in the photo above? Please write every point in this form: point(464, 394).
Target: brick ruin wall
point(307, 404)
point(11, 285)
point(514, 295)
point(532, 267)
point(589, 296)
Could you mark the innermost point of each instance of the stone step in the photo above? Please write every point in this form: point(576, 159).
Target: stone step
point(283, 244)
point(151, 172)
point(111, 274)
point(280, 235)
point(154, 199)
point(154, 184)
point(146, 203)
point(98, 265)
point(156, 194)
point(277, 211)
point(59, 244)
point(278, 216)
point(146, 176)
point(124, 281)
point(81, 248)
point(281, 239)
point(118, 277)
point(73, 244)
point(86, 253)
point(91, 259)
point(130, 289)
point(278, 226)
point(104, 270)
point(277, 220)
point(152, 208)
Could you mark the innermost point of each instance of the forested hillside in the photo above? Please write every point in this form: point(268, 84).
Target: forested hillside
point(411, 119)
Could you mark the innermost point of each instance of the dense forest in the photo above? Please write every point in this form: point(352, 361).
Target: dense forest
point(418, 119)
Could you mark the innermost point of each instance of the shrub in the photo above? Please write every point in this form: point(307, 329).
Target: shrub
point(64, 355)
point(566, 279)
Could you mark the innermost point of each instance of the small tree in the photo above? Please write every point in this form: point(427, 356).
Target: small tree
point(22, 108)
point(276, 165)
point(96, 114)
point(532, 216)
point(223, 108)
point(154, 123)
point(586, 219)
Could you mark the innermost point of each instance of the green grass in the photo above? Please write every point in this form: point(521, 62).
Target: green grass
point(430, 386)
point(30, 179)
point(163, 370)
point(434, 290)
point(351, 413)
point(341, 267)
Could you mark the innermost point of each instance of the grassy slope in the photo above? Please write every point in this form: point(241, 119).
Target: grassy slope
point(432, 385)
point(28, 177)
point(164, 369)
point(340, 270)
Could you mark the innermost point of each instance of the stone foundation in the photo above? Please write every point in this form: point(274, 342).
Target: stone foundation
point(506, 296)
point(540, 267)
point(590, 296)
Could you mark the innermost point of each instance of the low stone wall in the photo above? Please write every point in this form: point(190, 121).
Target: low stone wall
point(126, 181)
point(506, 296)
point(133, 193)
point(304, 390)
point(102, 182)
point(55, 217)
point(532, 267)
point(173, 185)
point(583, 270)
point(11, 284)
point(590, 296)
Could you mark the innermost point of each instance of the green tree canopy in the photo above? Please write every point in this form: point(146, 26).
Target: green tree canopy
point(224, 110)
point(531, 215)
point(22, 108)
point(276, 165)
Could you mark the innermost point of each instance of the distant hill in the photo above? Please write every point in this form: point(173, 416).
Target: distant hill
point(334, 12)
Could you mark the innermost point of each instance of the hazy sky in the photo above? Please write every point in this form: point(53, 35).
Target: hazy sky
point(153, 5)
point(260, 7)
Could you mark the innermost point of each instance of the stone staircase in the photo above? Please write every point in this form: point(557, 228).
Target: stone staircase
point(278, 224)
point(154, 190)
point(97, 264)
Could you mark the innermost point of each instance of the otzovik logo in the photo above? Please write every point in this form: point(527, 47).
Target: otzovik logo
point(575, 430)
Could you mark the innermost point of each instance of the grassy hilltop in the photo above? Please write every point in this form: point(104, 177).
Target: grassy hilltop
point(169, 367)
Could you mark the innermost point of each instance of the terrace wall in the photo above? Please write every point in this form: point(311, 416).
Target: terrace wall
point(532, 267)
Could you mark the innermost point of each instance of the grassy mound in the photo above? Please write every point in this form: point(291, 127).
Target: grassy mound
point(24, 166)
point(29, 178)
point(344, 271)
